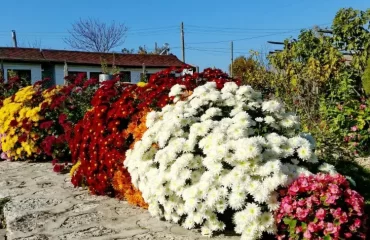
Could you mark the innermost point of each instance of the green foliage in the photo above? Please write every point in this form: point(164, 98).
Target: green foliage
point(351, 33)
point(106, 70)
point(316, 81)
point(366, 79)
point(252, 71)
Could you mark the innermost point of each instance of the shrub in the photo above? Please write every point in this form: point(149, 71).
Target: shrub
point(219, 156)
point(7, 89)
point(19, 121)
point(116, 122)
point(321, 207)
point(366, 79)
point(66, 107)
point(36, 122)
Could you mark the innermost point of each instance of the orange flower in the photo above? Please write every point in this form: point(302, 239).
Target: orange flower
point(125, 190)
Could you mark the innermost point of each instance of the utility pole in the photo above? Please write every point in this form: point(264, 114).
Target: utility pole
point(14, 37)
point(232, 58)
point(182, 41)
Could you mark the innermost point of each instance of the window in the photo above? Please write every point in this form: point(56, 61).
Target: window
point(125, 76)
point(147, 77)
point(23, 74)
point(94, 75)
point(75, 73)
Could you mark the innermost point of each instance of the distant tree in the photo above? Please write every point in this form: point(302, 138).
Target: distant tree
point(144, 50)
point(93, 35)
point(128, 51)
point(242, 65)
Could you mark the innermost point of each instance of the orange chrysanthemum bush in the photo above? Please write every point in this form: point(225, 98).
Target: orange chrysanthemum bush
point(116, 122)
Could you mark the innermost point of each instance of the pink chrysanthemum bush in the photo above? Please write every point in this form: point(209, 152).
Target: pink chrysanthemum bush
point(321, 206)
point(216, 159)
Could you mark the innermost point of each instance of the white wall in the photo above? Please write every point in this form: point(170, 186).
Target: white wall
point(34, 67)
point(59, 71)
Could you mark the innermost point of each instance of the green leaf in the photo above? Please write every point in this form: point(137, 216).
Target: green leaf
point(287, 220)
point(327, 237)
point(304, 226)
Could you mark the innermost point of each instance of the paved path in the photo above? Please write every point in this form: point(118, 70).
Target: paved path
point(44, 205)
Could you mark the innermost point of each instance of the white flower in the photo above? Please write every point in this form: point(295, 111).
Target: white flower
point(266, 220)
point(325, 167)
point(259, 119)
point(229, 87)
point(271, 106)
point(269, 119)
point(206, 154)
point(304, 152)
point(176, 90)
point(237, 199)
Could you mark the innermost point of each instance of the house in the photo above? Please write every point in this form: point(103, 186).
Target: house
point(35, 64)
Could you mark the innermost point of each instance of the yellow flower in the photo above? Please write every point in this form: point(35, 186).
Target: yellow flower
point(141, 84)
point(74, 168)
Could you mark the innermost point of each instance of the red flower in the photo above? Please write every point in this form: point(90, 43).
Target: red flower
point(13, 123)
point(46, 125)
point(62, 118)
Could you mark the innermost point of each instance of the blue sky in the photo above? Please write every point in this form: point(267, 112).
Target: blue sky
point(209, 25)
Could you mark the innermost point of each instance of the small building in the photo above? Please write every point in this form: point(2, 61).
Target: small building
point(35, 64)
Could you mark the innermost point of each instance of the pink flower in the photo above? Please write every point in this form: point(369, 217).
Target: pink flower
point(334, 189)
point(343, 218)
point(357, 223)
point(348, 235)
point(312, 227)
point(331, 199)
point(330, 229)
point(354, 128)
point(298, 229)
point(362, 106)
point(301, 202)
point(293, 189)
point(307, 234)
point(302, 213)
point(337, 212)
point(321, 210)
point(320, 214)
point(287, 208)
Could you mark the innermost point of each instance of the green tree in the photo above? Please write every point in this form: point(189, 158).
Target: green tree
point(319, 76)
point(252, 71)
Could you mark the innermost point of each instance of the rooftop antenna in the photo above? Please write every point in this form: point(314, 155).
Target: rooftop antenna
point(14, 37)
point(166, 49)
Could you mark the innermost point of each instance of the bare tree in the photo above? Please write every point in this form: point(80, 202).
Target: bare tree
point(35, 44)
point(93, 35)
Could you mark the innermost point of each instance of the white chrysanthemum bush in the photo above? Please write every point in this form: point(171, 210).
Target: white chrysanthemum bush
point(216, 159)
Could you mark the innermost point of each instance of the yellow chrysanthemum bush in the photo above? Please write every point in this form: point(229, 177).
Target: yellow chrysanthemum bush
point(8, 88)
point(19, 122)
point(36, 122)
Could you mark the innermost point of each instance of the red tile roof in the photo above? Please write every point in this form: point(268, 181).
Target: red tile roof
point(22, 54)
point(89, 58)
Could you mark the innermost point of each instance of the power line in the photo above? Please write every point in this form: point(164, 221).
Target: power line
point(243, 39)
point(247, 29)
point(254, 37)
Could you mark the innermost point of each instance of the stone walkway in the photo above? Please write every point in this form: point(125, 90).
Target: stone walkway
point(45, 205)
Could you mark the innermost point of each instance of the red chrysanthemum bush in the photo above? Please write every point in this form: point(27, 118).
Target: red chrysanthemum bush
point(65, 108)
point(116, 121)
point(321, 206)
